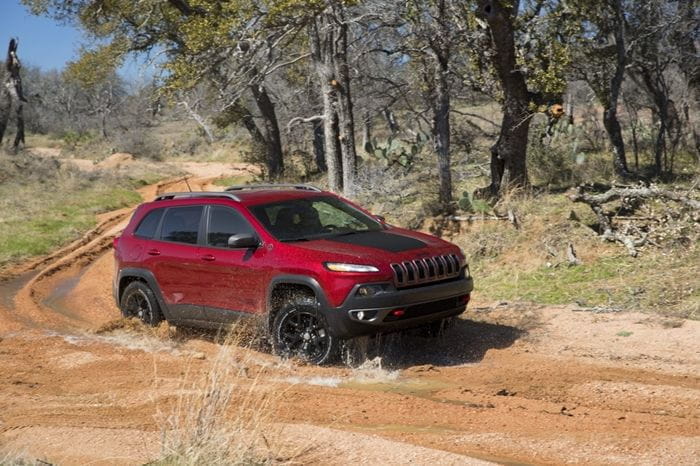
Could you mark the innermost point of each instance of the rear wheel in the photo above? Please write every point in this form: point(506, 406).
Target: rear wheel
point(139, 301)
point(300, 330)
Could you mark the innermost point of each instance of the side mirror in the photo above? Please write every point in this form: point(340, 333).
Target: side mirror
point(380, 218)
point(243, 240)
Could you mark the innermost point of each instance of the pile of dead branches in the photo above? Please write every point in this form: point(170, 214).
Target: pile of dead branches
point(639, 215)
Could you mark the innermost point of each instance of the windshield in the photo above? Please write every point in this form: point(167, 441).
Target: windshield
point(313, 218)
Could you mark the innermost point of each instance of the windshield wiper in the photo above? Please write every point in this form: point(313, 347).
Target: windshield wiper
point(291, 240)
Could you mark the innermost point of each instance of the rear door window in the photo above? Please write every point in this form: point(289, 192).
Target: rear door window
point(181, 224)
point(149, 224)
point(225, 222)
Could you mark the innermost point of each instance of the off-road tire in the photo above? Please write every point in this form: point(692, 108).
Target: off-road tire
point(299, 330)
point(138, 301)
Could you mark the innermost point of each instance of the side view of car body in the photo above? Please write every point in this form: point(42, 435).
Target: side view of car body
point(312, 267)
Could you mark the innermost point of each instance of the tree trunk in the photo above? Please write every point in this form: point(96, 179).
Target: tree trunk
point(346, 119)
point(321, 39)
point(331, 142)
point(319, 147)
point(391, 121)
point(19, 137)
point(612, 127)
point(686, 40)
point(635, 145)
point(610, 121)
point(508, 155)
point(247, 119)
point(656, 87)
point(273, 140)
point(103, 124)
point(5, 109)
point(367, 133)
point(441, 130)
point(13, 94)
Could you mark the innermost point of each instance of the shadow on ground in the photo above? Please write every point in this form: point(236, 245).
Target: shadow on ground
point(466, 341)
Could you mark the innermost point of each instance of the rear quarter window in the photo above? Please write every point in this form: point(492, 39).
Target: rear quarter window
point(149, 224)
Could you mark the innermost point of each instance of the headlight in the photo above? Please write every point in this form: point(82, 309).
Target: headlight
point(340, 267)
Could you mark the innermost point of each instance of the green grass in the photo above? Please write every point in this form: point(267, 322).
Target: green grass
point(667, 284)
point(560, 285)
point(57, 221)
point(44, 206)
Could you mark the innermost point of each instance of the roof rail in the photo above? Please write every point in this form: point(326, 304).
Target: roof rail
point(195, 195)
point(242, 187)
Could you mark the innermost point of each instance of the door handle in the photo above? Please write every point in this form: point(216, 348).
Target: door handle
point(208, 258)
point(153, 252)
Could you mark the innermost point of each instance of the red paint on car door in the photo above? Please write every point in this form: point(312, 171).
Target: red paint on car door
point(232, 279)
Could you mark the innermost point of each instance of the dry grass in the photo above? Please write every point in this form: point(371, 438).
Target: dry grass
point(18, 458)
point(162, 331)
point(225, 414)
point(530, 263)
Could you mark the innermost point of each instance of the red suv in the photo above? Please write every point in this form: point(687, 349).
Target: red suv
point(316, 268)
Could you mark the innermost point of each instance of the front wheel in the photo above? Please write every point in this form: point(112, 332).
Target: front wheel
point(300, 330)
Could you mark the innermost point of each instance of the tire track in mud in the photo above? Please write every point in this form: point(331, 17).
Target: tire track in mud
point(28, 311)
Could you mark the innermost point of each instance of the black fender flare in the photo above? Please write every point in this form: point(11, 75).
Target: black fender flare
point(304, 280)
point(150, 279)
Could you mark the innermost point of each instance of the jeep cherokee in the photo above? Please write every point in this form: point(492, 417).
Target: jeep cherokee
point(315, 268)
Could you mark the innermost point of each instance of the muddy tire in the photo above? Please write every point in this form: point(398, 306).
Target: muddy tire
point(138, 301)
point(299, 330)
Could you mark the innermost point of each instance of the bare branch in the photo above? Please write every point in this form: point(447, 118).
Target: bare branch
point(312, 119)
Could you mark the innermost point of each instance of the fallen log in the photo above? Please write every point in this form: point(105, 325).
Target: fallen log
point(650, 192)
point(607, 229)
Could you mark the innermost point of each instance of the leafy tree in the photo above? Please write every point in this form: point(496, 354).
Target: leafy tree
point(438, 32)
point(524, 51)
point(601, 57)
point(651, 26)
point(203, 41)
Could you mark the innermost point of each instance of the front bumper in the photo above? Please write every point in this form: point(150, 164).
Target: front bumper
point(420, 305)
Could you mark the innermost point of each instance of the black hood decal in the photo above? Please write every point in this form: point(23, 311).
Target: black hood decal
point(380, 240)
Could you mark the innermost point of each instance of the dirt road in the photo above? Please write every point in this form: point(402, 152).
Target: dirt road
point(510, 383)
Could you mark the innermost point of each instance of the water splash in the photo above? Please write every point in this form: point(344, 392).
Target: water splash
point(372, 371)
point(317, 380)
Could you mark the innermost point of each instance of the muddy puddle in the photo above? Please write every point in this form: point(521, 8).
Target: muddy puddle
point(10, 288)
point(56, 300)
point(8, 291)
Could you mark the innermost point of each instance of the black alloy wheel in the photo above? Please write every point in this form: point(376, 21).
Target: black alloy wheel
point(138, 301)
point(299, 330)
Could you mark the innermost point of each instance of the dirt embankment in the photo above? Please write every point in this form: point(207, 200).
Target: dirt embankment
point(510, 383)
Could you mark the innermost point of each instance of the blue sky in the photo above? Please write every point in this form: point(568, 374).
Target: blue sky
point(42, 42)
point(45, 43)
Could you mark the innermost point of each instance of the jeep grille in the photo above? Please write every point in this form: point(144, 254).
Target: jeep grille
point(426, 270)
